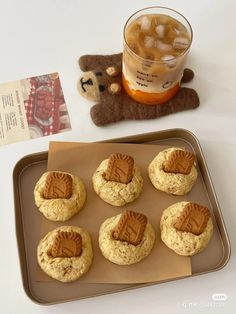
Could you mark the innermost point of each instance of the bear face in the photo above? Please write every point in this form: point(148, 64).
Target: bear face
point(103, 83)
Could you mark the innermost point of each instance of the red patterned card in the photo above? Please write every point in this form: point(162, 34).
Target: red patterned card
point(31, 108)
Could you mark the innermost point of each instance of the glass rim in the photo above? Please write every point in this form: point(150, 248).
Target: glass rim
point(157, 61)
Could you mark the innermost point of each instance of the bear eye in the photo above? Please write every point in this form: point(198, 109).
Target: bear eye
point(101, 88)
point(98, 73)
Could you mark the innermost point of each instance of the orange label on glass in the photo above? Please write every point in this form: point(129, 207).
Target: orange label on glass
point(149, 98)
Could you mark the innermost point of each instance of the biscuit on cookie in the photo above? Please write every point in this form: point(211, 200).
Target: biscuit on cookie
point(185, 243)
point(171, 182)
point(60, 199)
point(65, 268)
point(114, 240)
point(114, 192)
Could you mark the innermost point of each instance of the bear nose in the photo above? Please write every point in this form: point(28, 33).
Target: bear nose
point(87, 82)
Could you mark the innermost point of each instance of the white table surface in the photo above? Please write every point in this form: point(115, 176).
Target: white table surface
point(39, 37)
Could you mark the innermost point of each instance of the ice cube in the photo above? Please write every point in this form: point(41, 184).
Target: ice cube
point(149, 42)
point(169, 60)
point(180, 43)
point(178, 32)
point(148, 56)
point(161, 29)
point(167, 57)
point(145, 23)
point(162, 46)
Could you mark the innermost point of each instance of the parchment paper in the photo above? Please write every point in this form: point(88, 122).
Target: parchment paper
point(82, 160)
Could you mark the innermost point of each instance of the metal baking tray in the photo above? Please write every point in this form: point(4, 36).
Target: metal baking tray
point(29, 169)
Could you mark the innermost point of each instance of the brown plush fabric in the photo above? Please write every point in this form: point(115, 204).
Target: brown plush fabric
point(116, 107)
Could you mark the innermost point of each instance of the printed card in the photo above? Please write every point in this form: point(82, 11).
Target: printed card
point(31, 108)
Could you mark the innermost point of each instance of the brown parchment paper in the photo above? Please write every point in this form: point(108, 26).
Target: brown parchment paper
point(82, 159)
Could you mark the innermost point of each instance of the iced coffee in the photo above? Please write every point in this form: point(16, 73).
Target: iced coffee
point(156, 44)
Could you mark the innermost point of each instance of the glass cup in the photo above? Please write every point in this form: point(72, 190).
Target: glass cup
point(156, 44)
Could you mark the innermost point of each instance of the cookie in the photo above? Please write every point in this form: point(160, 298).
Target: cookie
point(58, 185)
point(177, 228)
point(67, 244)
point(120, 168)
point(117, 193)
point(65, 253)
point(65, 195)
point(121, 251)
point(172, 182)
point(179, 161)
point(194, 219)
point(101, 82)
point(130, 227)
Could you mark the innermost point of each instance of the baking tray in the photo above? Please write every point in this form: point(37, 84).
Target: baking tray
point(29, 169)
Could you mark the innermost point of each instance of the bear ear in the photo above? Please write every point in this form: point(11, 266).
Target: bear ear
point(99, 62)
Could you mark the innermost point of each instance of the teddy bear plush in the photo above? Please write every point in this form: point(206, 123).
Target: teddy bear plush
point(101, 82)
